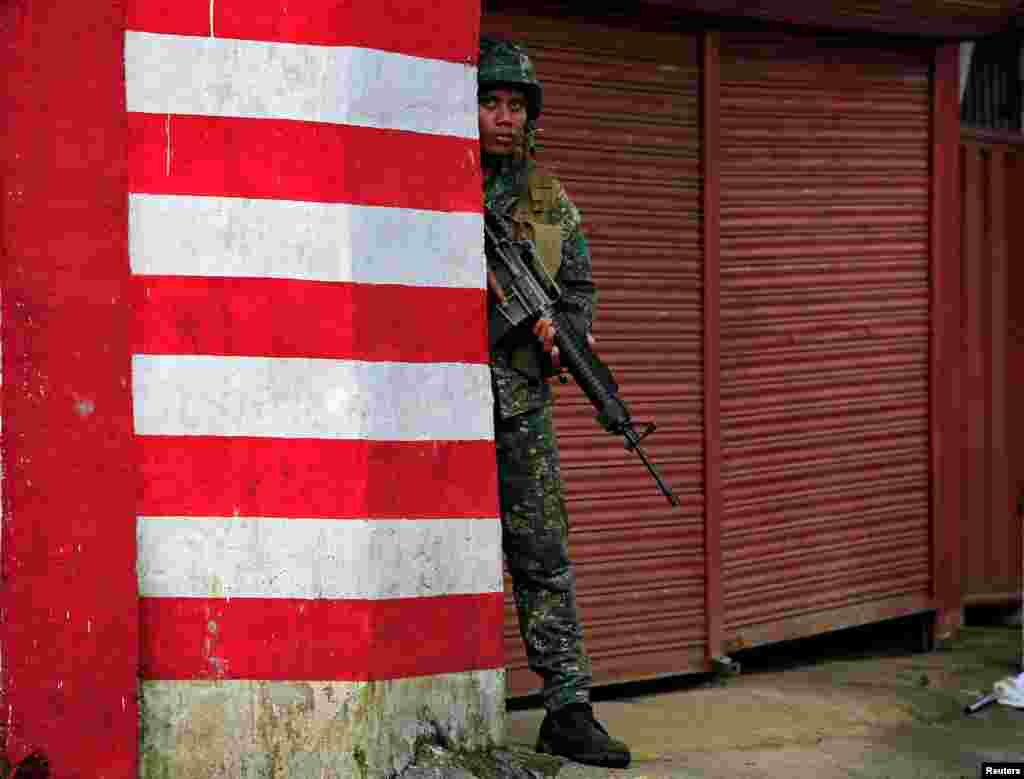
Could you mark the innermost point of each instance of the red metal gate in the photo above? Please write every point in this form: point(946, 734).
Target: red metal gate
point(993, 471)
point(824, 334)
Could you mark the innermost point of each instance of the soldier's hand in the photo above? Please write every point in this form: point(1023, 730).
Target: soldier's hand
point(495, 288)
point(545, 331)
point(562, 376)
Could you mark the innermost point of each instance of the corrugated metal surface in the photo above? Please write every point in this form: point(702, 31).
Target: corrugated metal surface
point(993, 472)
point(621, 131)
point(825, 330)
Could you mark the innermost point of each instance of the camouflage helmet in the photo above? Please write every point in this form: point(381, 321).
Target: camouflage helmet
point(505, 62)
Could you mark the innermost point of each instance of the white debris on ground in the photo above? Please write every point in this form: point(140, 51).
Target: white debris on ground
point(1010, 691)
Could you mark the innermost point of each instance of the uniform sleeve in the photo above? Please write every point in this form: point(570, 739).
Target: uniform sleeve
point(575, 275)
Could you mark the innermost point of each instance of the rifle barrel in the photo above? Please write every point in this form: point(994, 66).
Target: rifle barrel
point(672, 499)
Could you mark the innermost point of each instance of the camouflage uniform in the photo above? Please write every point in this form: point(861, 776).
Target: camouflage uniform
point(534, 521)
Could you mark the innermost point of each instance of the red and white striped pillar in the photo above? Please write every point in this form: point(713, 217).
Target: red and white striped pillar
point(317, 543)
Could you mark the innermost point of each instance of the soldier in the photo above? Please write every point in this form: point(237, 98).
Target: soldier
point(534, 522)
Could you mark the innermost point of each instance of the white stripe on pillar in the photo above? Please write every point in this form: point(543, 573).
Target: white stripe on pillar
point(239, 557)
point(285, 239)
point(311, 398)
point(178, 74)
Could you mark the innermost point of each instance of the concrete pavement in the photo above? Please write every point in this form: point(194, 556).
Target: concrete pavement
point(870, 709)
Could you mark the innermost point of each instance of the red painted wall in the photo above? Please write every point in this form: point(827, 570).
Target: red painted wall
point(990, 537)
point(1015, 339)
point(69, 597)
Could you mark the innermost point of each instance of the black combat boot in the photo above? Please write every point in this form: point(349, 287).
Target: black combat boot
point(573, 732)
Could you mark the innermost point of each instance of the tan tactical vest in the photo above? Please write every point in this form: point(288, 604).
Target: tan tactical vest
point(539, 199)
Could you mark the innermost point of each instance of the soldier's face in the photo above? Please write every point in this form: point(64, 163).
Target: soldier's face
point(502, 120)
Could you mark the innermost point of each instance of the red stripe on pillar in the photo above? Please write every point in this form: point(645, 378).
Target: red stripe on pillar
point(310, 161)
point(320, 640)
point(173, 17)
point(294, 318)
point(422, 28)
point(288, 477)
point(69, 596)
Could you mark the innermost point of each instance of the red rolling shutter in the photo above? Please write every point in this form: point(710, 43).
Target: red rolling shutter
point(825, 334)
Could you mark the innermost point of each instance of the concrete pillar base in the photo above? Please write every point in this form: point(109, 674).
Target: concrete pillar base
point(319, 730)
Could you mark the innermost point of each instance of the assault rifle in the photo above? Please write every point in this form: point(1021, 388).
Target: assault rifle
point(531, 294)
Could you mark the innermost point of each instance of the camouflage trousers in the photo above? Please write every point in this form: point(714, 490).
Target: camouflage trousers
point(535, 536)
